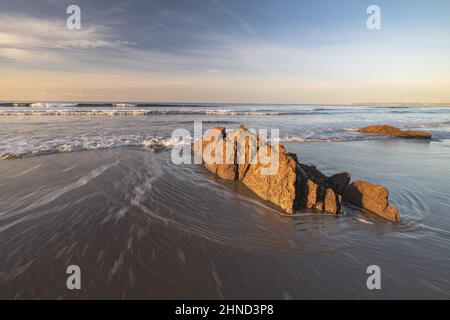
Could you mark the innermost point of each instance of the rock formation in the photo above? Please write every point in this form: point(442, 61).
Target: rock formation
point(315, 191)
point(292, 186)
point(243, 155)
point(339, 181)
point(371, 197)
point(279, 188)
point(385, 130)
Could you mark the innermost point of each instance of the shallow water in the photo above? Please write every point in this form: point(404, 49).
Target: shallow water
point(92, 191)
point(28, 131)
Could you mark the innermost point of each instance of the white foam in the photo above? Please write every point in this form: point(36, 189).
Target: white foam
point(124, 105)
point(20, 148)
point(337, 137)
point(239, 112)
point(39, 109)
point(51, 105)
point(75, 112)
point(363, 221)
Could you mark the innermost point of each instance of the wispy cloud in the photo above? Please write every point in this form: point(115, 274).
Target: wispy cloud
point(221, 50)
point(28, 39)
point(246, 27)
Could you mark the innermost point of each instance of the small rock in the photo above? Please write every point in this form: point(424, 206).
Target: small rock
point(371, 197)
point(385, 130)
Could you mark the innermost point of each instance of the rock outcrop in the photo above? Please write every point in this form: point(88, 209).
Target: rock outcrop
point(372, 197)
point(291, 186)
point(315, 191)
point(214, 155)
point(385, 130)
point(279, 188)
point(278, 177)
point(339, 181)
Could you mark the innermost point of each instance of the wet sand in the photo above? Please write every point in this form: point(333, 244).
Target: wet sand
point(140, 227)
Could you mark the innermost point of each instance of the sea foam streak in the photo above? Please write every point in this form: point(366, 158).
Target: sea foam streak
point(24, 147)
point(135, 109)
point(119, 110)
point(51, 105)
point(336, 138)
point(20, 148)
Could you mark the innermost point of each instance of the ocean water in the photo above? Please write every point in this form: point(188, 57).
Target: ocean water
point(94, 185)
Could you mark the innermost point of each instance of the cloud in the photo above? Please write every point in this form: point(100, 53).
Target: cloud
point(27, 39)
point(30, 41)
point(242, 22)
point(22, 55)
point(189, 55)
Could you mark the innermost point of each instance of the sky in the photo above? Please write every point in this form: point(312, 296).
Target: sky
point(241, 51)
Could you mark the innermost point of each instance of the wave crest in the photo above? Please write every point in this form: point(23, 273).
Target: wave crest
point(26, 148)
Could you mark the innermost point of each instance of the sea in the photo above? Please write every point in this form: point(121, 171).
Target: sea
point(94, 185)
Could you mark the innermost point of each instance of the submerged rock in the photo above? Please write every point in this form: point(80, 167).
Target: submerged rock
point(390, 131)
point(372, 197)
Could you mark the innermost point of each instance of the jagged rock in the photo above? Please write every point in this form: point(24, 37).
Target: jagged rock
point(278, 188)
point(390, 131)
point(214, 154)
point(313, 172)
point(223, 155)
point(310, 193)
point(314, 192)
point(332, 201)
point(372, 197)
point(339, 181)
point(242, 155)
point(221, 130)
point(243, 140)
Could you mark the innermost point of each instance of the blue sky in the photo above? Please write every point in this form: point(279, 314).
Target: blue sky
point(226, 51)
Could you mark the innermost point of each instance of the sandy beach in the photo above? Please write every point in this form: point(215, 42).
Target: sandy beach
point(141, 227)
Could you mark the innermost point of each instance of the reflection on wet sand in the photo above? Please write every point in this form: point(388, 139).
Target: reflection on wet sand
point(141, 227)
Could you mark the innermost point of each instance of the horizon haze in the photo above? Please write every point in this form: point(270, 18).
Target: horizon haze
point(225, 51)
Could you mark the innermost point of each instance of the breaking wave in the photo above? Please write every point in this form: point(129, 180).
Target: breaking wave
point(143, 109)
point(337, 138)
point(22, 148)
point(124, 105)
point(121, 110)
point(51, 105)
